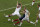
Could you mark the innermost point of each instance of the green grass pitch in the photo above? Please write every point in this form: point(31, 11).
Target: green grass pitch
point(6, 4)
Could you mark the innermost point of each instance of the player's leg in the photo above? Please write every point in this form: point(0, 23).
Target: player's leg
point(16, 23)
point(33, 2)
point(27, 19)
point(20, 20)
point(37, 20)
point(18, 14)
point(10, 15)
point(15, 20)
point(20, 23)
point(7, 15)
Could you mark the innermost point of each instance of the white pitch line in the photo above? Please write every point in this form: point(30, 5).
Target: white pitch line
point(15, 7)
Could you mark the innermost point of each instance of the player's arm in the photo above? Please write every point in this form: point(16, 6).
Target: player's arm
point(17, 3)
point(21, 4)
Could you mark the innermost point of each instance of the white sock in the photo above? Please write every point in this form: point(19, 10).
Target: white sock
point(31, 22)
point(36, 21)
point(20, 23)
point(32, 3)
point(39, 8)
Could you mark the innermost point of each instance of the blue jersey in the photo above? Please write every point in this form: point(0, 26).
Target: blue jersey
point(22, 17)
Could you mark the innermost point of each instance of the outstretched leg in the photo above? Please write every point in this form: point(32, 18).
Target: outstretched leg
point(16, 23)
point(15, 20)
point(37, 20)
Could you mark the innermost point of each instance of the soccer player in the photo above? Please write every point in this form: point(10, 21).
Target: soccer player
point(33, 2)
point(38, 17)
point(16, 12)
point(27, 14)
point(25, 17)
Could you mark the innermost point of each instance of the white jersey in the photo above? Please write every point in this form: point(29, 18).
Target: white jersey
point(17, 9)
point(26, 13)
point(39, 15)
point(39, 8)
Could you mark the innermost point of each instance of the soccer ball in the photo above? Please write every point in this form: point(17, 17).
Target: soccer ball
point(9, 19)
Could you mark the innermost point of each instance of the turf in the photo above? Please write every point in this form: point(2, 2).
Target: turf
point(6, 4)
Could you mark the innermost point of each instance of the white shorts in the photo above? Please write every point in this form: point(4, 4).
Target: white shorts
point(16, 13)
point(39, 8)
point(27, 19)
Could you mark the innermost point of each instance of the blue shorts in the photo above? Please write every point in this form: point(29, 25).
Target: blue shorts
point(22, 17)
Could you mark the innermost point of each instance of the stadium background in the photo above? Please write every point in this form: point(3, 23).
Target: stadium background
point(8, 6)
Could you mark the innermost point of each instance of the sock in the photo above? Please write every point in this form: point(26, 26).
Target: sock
point(20, 23)
point(6, 16)
point(17, 22)
point(36, 21)
point(33, 3)
point(31, 22)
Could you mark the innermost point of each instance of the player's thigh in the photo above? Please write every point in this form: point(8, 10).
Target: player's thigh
point(19, 14)
point(13, 14)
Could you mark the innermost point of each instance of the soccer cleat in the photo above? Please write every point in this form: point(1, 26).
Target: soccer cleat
point(6, 15)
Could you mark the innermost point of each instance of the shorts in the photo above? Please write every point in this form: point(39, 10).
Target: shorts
point(16, 13)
